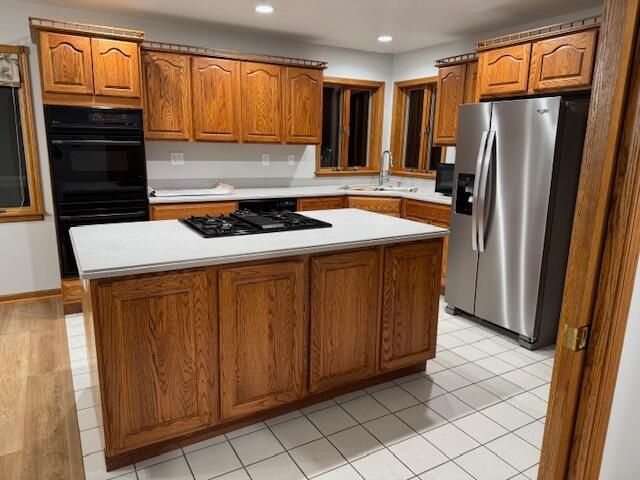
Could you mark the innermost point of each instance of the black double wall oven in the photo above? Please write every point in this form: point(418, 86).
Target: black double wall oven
point(98, 170)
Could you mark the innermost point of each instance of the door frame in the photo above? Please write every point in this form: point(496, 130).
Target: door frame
point(603, 257)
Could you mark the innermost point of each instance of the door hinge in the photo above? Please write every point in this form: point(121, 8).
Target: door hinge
point(576, 338)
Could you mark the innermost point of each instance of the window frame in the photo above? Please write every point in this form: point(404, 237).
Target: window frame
point(398, 127)
point(375, 128)
point(35, 210)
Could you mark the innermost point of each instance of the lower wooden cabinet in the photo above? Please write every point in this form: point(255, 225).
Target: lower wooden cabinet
point(320, 203)
point(157, 342)
point(344, 317)
point(410, 296)
point(184, 210)
point(263, 331)
point(387, 206)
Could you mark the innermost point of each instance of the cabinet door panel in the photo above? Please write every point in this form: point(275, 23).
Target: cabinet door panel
point(470, 82)
point(263, 325)
point(451, 83)
point(65, 61)
point(303, 105)
point(116, 68)
point(344, 318)
point(504, 71)
point(261, 102)
point(410, 311)
point(563, 62)
point(158, 358)
point(167, 96)
point(184, 210)
point(216, 99)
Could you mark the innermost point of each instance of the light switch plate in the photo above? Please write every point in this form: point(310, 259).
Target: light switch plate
point(291, 159)
point(177, 158)
point(265, 159)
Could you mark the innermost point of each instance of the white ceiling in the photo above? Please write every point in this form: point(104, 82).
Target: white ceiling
point(350, 23)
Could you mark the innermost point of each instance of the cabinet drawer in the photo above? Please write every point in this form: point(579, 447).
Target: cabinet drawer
point(427, 212)
point(387, 206)
point(320, 203)
point(184, 210)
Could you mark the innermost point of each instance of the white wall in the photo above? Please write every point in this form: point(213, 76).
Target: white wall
point(621, 460)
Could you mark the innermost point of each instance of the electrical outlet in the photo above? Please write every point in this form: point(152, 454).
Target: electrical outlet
point(291, 159)
point(177, 158)
point(265, 159)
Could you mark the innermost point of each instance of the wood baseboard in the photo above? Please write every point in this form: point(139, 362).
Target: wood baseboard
point(150, 451)
point(26, 296)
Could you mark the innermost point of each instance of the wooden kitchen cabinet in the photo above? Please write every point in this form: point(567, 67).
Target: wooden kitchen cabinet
point(263, 331)
point(184, 210)
point(564, 62)
point(387, 206)
point(303, 105)
point(451, 89)
point(344, 317)
point(167, 96)
point(116, 68)
point(409, 318)
point(504, 71)
point(261, 86)
point(320, 203)
point(158, 345)
point(470, 83)
point(216, 99)
point(66, 63)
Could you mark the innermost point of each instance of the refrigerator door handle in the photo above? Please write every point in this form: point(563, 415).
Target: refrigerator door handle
point(476, 189)
point(482, 201)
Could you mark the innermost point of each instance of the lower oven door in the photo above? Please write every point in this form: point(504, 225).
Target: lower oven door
point(67, 220)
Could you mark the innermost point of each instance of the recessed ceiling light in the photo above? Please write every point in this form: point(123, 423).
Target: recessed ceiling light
point(385, 38)
point(264, 9)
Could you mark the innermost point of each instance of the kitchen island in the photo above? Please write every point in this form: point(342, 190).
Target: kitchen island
point(197, 336)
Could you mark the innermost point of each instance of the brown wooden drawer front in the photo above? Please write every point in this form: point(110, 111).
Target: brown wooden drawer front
point(387, 206)
point(427, 212)
point(563, 63)
point(321, 203)
point(184, 210)
point(504, 71)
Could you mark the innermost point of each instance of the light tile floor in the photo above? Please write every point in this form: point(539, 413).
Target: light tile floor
point(476, 413)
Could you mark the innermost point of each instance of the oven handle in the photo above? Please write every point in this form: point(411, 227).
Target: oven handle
point(96, 142)
point(82, 218)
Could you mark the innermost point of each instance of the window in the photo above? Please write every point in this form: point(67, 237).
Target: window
point(20, 195)
point(351, 127)
point(412, 130)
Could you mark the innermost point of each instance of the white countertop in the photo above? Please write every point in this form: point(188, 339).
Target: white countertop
point(118, 249)
point(312, 191)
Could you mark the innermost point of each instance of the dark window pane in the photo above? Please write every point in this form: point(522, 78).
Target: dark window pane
point(331, 125)
point(413, 127)
point(359, 128)
point(435, 158)
point(14, 189)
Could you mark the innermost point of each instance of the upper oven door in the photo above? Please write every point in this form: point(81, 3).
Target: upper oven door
point(88, 168)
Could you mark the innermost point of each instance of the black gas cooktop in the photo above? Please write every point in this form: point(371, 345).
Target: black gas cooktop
point(247, 222)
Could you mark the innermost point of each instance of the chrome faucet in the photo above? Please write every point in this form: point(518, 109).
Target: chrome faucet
point(385, 173)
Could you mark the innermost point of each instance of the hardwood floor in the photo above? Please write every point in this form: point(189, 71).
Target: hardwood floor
point(39, 437)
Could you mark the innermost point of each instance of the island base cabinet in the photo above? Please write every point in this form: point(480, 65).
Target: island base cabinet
point(263, 331)
point(156, 356)
point(344, 317)
point(411, 293)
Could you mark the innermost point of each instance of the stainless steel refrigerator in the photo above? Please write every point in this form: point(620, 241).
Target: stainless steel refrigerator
point(515, 183)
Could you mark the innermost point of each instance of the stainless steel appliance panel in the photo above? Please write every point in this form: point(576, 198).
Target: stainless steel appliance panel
point(512, 208)
point(473, 125)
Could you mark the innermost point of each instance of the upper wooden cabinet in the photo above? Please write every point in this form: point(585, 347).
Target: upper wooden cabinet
point(470, 82)
point(116, 68)
point(158, 362)
point(303, 105)
point(66, 64)
point(216, 99)
point(563, 62)
point(167, 95)
point(451, 89)
point(344, 317)
point(409, 321)
point(261, 102)
point(504, 71)
point(263, 331)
